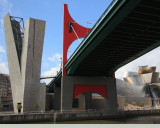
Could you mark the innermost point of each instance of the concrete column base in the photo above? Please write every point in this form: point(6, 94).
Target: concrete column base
point(57, 98)
point(67, 88)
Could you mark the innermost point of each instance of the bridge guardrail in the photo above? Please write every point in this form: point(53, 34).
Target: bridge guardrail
point(96, 24)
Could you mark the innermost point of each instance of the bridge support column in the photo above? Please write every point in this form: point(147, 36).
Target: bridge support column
point(88, 100)
point(68, 84)
point(57, 98)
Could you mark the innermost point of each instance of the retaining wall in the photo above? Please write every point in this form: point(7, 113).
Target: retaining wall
point(25, 118)
point(73, 116)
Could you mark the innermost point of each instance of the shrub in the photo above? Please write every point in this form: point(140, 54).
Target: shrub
point(1, 107)
point(134, 103)
point(141, 104)
point(125, 104)
point(35, 106)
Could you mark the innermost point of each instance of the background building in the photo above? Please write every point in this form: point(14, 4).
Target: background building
point(142, 86)
point(5, 93)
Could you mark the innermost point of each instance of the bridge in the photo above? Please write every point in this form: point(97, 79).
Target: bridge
point(126, 30)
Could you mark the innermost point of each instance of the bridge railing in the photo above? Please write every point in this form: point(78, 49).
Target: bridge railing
point(96, 24)
point(108, 9)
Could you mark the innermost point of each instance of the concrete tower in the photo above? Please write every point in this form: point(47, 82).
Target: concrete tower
point(24, 61)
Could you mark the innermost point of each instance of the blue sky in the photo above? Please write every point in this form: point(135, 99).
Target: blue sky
point(52, 12)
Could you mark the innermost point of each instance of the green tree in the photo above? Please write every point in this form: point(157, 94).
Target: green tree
point(125, 104)
point(134, 103)
point(35, 106)
point(141, 104)
point(1, 107)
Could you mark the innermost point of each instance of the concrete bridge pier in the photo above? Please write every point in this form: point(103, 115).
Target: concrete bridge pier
point(57, 97)
point(88, 100)
point(72, 86)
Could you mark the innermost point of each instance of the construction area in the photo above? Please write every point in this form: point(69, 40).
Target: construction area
point(140, 90)
point(6, 101)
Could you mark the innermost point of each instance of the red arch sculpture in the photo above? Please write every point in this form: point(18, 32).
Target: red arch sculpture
point(68, 34)
point(100, 89)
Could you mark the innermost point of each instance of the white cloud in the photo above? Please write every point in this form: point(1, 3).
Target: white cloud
point(2, 49)
point(3, 67)
point(51, 73)
point(4, 2)
point(150, 59)
point(2, 21)
point(45, 64)
point(55, 57)
point(54, 70)
point(6, 7)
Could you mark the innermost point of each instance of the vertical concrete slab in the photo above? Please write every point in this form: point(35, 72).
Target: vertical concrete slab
point(112, 94)
point(57, 98)
point(25, 79)
point(88, 100)
point(66, 93)
point(13, 63)
point(49, 101)
point(42, 97)
point(31, 65)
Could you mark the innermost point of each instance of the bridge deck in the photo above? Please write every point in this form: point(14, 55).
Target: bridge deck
point(126, 31)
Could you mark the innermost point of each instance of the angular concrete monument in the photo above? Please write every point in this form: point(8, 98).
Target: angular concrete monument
point(24, 60)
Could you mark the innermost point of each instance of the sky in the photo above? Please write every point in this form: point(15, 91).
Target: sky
point(51, 11)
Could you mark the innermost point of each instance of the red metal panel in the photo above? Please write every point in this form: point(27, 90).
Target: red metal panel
point(100, 89)
point(69, 37)
point(113, 75)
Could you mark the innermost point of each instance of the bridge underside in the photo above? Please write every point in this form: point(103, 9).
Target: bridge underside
point(127, 31)
point(132, 31)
